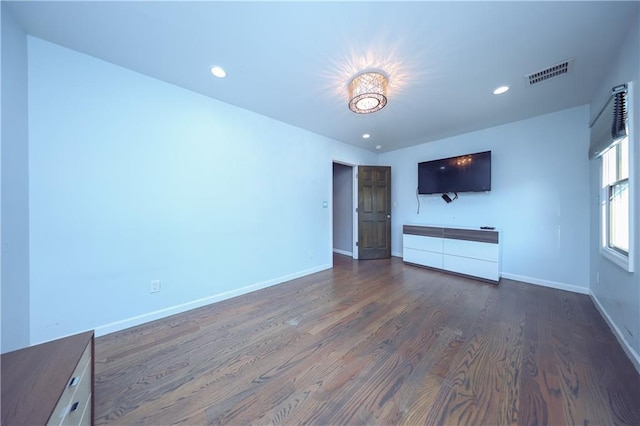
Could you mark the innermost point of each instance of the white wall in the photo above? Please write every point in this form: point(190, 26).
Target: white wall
point(617, 292)
point(14, 262)
point(133, 179)
point(539, 198)
point(343, 208)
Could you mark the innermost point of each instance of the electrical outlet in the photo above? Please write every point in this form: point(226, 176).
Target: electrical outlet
point(155, 286)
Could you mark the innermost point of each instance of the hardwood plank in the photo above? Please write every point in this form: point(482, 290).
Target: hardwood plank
point(368, 342)
point(542, 401)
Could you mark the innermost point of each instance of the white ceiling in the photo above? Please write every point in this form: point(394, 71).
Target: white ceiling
point(292, 61)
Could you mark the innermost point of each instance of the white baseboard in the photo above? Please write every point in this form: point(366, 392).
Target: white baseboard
point(343, 252)
point(545, 283)
point(632, 354)
point(172, 310)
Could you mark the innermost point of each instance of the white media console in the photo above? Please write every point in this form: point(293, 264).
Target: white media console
point(468, 251)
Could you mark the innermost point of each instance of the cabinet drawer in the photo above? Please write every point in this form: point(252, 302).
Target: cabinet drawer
point(87, 416)
point(80, 409)
point(78, 385)
point(421, 257)
point(422, 243)
point(474, 267)
point(471, 249)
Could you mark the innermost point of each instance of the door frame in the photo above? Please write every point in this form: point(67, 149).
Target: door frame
point(354, 213)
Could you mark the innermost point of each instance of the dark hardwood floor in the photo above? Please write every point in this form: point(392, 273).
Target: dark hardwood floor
point(372, 342)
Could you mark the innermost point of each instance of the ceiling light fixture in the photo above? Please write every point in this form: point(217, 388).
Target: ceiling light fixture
point(367, 92)
point(218, 72)
point(366, 136)
point(500, 90)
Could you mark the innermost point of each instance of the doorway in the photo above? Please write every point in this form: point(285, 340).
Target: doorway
point(343, 211)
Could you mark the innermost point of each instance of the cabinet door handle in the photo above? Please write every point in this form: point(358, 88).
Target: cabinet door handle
point(74, 381)
point(74, 407)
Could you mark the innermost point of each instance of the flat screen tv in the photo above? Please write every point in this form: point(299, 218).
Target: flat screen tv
point(465, 173)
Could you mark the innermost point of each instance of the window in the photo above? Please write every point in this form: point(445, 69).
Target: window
point(616, 192)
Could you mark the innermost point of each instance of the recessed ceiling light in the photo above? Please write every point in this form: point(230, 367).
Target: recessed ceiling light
point(500, 90)
point(366, 136)
point(218, 72)
point(378, 146)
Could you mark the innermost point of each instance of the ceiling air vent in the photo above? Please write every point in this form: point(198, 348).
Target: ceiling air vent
point(547, 74)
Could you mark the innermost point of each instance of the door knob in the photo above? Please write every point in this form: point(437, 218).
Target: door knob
point(388, 216)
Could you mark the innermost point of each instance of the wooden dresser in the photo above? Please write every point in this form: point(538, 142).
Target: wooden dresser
point(467, 251)
point(50, 383)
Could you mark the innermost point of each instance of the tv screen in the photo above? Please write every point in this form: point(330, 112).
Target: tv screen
point(465, 173)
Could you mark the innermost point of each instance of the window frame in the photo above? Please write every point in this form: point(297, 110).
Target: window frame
point(617, 256)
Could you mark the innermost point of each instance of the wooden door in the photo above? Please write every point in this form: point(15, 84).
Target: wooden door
point(374, 212)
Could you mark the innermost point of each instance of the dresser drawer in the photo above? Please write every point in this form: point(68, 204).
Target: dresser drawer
point(473, 267)
point(76, 393)
point(422, 243)
point(472, 249)
point(421, 257)
point(79, 412)
point(87, 415)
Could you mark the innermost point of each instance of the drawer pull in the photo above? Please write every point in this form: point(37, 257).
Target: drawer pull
point(74, 381)
point(74, 407)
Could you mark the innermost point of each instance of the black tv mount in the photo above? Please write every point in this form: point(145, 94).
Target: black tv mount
point(448, 199)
